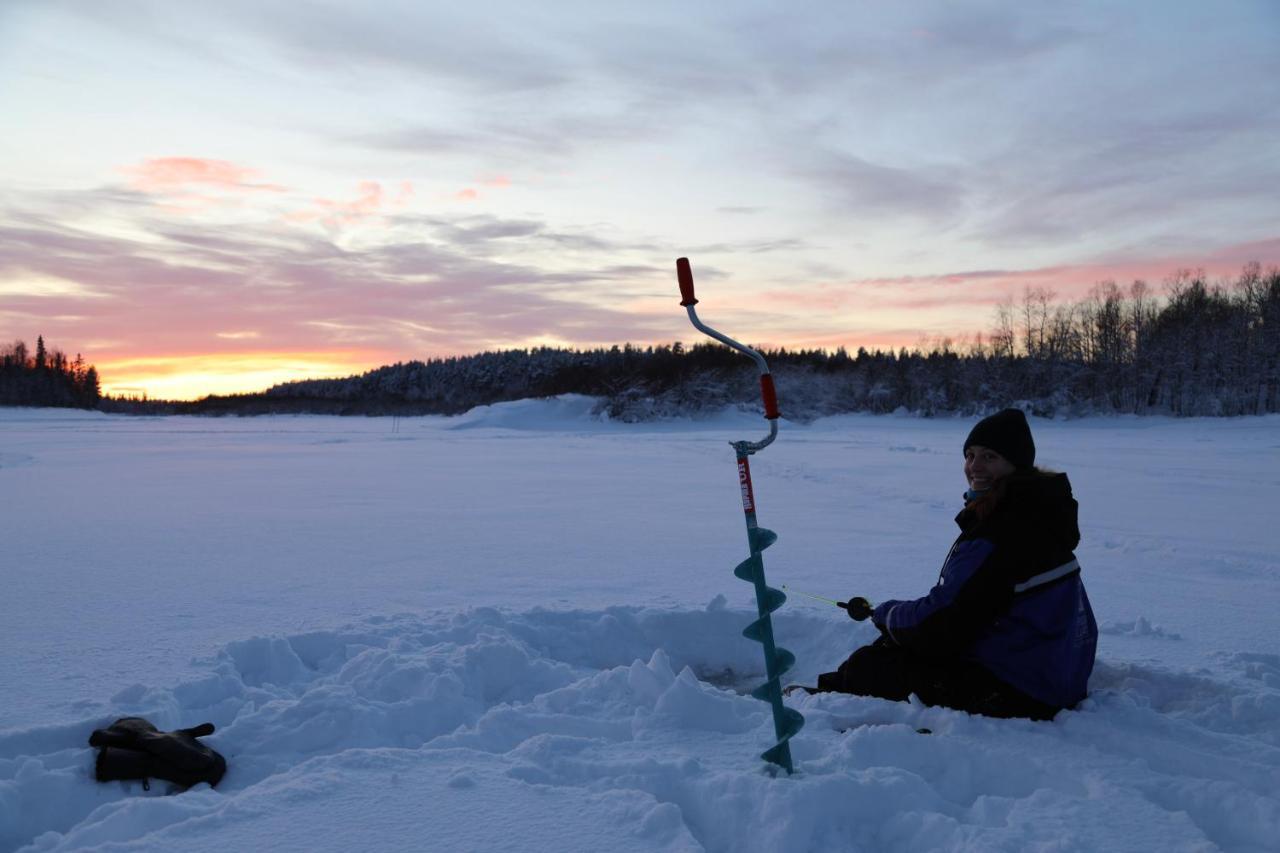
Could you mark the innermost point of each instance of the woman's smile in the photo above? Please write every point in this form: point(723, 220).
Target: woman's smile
point(983, 466)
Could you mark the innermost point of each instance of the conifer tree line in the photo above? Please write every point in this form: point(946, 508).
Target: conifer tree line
point(1200, 349)
point(46, 378)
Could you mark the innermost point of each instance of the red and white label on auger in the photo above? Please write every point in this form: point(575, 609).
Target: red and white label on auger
point(744, 480)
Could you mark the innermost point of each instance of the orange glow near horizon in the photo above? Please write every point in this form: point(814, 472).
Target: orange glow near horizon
point(193, 376)
point(184, 377)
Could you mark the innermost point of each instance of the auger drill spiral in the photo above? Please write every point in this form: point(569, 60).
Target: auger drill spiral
point(786, 721)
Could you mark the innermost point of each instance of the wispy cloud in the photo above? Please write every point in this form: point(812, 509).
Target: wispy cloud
point(488, 235)
point(412, 39)
point(35, 286)
point(984, 289)
point(370, 200)
point(869, 190)
point(300, 289)
point(176, 174)
point(489, 134)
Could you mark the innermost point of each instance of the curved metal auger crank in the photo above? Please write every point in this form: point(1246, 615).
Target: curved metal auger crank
point(786, 721)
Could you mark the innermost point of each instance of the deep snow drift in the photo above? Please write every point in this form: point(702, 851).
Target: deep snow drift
point(519, 629)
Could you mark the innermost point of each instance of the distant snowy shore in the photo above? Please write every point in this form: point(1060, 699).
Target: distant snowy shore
point(518, 628)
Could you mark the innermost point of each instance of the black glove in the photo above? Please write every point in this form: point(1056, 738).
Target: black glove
point(857, 608)
point(132, 748)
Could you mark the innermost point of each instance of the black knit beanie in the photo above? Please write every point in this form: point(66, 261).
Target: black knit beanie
point(1006, 433)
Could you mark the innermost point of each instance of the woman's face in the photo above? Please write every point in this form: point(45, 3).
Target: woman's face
point(983, 466)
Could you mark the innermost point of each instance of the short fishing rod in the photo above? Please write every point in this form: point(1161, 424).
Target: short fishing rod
point(858, 608)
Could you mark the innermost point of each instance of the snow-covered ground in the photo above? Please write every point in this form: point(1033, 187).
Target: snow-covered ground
point(519, 630)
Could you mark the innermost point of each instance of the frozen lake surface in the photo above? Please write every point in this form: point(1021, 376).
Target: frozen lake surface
point(519, 629)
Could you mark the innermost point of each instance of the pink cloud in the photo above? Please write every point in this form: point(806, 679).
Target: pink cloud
point(169, 174)
point(370, 200)
point(498, 182)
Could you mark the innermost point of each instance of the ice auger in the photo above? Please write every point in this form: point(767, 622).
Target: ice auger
point(786, 721)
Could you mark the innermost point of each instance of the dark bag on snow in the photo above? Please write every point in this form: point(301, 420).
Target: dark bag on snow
point(132, 748)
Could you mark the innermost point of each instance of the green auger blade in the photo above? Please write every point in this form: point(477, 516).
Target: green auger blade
point(755, 631)
point(790, 724)
point(780, 755)
point(772, 599)
point(793, 722)
point(749, 569)
point(759, 629)
point(762, 538)
point(765, 691)
point(783, 661)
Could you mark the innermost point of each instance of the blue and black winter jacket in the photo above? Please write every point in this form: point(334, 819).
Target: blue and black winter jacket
point(1009, 595)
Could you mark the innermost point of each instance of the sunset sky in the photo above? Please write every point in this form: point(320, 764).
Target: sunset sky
point(214, 197)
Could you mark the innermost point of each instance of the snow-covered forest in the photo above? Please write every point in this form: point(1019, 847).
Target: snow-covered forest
point(1198, 349)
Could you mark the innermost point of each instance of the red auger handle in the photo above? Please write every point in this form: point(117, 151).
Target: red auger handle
point(770, 396)
point(685, 276)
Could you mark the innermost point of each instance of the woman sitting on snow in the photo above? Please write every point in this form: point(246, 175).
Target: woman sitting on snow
point(1007, 631)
